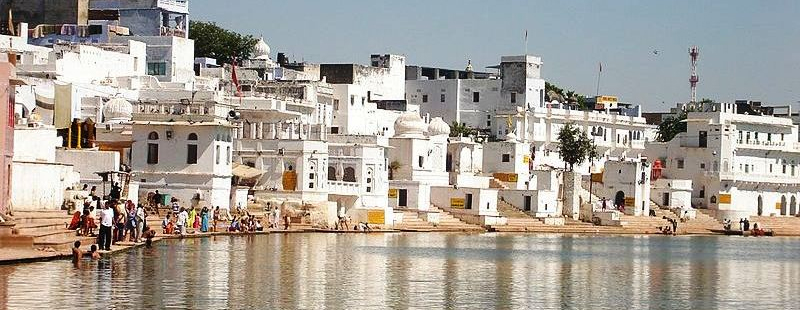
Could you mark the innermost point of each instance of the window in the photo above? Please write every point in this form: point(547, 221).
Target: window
point(476, 97)
point(352, 99)
point(152, 136)
point(331, 173)
point(310, 185)
point(424, 98)
point(441, 98)
point(680, 163)
point(191, 154)
point(468, 202)
point(349, 174)
point(747, 168)
point(488, 123)
point(756, 135)
point(336, 104)
point(363, 100)
point(513, 97)
point(217, 154)
point(228, 155)
point(784, 168)
point(334, 130)
point(506, 158)
point(311, 176)
point(421, 161)
point(702, 165)
point(156, 68)
point(769, 137)
point(152, 153)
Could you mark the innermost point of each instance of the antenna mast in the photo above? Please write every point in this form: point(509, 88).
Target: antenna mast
point(694, 53)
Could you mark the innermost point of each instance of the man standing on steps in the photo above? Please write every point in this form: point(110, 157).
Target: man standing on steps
point(106, 222)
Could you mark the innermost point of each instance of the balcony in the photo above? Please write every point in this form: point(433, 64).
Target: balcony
point(763, 144)
point(178, 6)
point(344, 188)
point(172, 32)
point(754, 177)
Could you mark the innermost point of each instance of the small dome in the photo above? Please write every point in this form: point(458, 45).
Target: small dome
point(117, 110)
point(409, 124)
point(438, 127)
point(261, 50)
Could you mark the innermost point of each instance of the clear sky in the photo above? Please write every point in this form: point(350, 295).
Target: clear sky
point(748, 49)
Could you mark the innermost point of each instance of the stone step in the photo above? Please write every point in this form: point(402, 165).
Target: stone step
point(66, 243)
point(37, 228)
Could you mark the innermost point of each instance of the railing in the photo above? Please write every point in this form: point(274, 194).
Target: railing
point(763, 144)
point(172, 109)
point(344, 188)
point(172, 32)
point(754, 177)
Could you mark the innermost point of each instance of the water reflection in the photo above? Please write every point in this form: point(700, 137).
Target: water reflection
point(423, 270)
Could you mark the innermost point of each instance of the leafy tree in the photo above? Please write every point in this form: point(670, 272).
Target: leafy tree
point(574, 147)
point(461, 130)
point(221, 44)
point(671, 127)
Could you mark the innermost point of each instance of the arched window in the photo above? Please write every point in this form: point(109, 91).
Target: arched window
point(349, 174)
point(152, 136)
point(192, 137)
point(331, 173)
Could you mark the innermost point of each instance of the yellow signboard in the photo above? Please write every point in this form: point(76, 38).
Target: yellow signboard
point(724, 198)
point(526, 159)
point(376, 217)
point(606, 99)
point(597, 177)
point(392, 193)
point(777, 206)
point(457, 203)
point(505, 177)
point(629, 202)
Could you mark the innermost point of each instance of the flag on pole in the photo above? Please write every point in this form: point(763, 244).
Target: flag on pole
point(601, 66)
point(235, 79)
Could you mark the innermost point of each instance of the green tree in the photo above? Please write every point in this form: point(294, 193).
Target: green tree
point(574, 146)
point(221, 44)
point(461, 130)
point(671, 127)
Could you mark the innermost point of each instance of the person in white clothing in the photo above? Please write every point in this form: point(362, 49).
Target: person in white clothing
point(182, 217)
point(106, 223)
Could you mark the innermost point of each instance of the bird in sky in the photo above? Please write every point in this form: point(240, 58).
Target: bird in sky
point(655, 52)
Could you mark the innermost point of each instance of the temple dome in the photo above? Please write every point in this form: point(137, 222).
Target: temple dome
point(438, 127)
point(409, 124)
point(117, 110)
point(261, 50)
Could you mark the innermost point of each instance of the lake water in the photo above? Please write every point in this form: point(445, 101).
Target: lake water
point(422, 271)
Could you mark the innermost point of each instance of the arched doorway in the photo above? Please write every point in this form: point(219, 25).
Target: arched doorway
point(784, 209)
point(793, 206)
point(760, 205)
point(619, 199)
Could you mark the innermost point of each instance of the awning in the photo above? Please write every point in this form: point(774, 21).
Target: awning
point(245, 172)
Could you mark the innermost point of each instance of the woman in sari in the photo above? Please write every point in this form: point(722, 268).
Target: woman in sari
point(192, 215)
point(204, 217)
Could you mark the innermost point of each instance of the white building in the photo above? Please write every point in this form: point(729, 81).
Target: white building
point(417, 156)
point(473, 99)
point(182, 147)
point(740, 165)
point(367, 99)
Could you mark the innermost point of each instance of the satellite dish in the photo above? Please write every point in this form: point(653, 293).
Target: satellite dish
point(233, 114)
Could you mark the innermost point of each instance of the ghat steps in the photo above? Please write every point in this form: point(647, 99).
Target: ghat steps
point(42, 229)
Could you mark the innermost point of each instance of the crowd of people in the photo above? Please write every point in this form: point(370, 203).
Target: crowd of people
point(112, 220)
